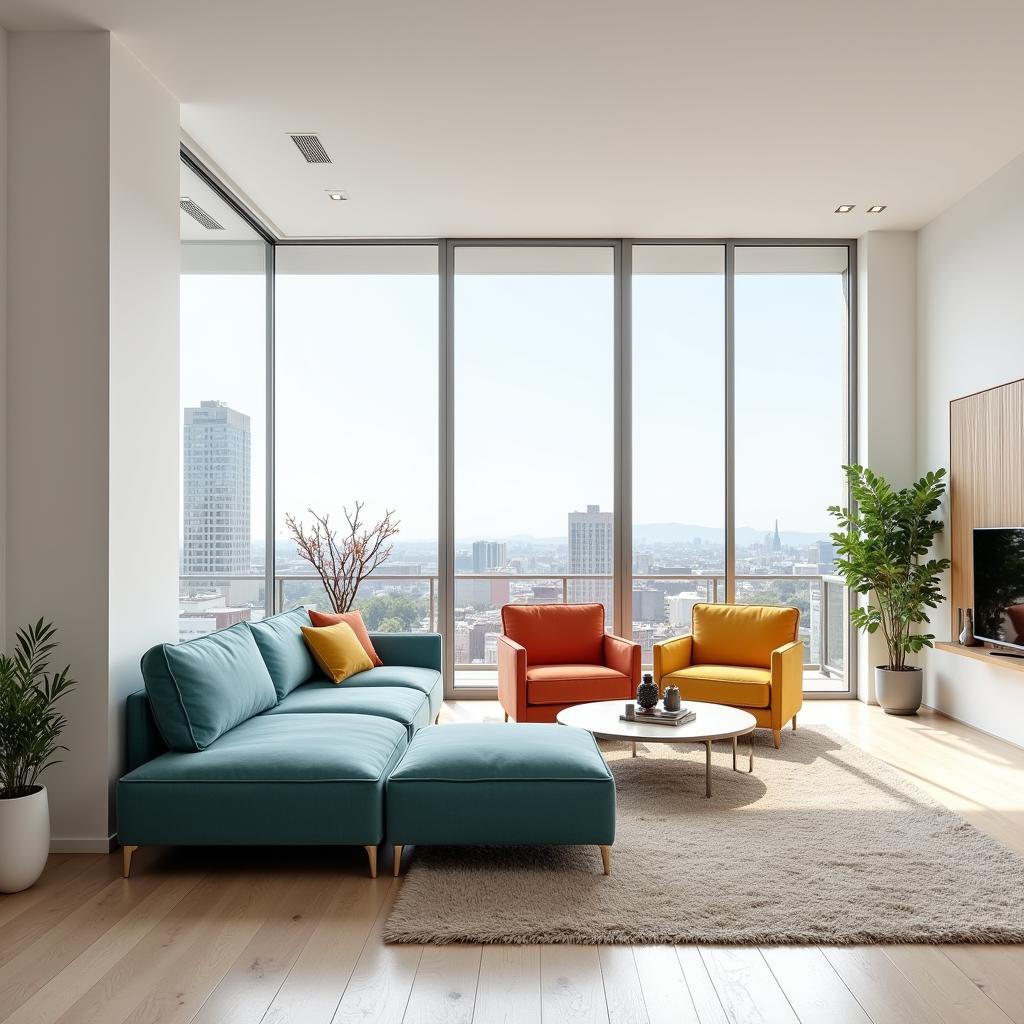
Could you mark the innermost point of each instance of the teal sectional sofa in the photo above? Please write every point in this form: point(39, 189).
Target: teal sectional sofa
point(238, 739)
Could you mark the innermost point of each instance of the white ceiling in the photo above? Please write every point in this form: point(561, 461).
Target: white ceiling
point(585, 117)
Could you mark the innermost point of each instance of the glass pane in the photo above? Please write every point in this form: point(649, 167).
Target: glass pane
point(534, 345)
point(791, 424)
point(678, 436)
point(223, 394)
point(356, 371)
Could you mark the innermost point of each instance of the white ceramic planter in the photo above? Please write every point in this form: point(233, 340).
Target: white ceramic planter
point(899, 693)
point(24, 840)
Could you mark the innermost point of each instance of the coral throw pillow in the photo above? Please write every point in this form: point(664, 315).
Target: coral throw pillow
point(355, 620)
point(337, 650)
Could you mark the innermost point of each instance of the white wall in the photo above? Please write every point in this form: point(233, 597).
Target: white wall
point(970, 336)
point(144, 380)
point(92, 386)
point(3, 329)
point(886, 382)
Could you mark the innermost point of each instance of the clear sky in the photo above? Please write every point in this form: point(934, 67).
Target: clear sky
point(356, 394)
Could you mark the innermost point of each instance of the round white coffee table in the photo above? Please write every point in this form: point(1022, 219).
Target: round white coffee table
point(713, 722)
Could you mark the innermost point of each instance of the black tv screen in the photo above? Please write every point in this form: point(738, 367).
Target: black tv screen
point(999, 585)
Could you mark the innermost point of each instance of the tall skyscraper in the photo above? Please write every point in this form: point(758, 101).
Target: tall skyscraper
point(591, 552)
point(489, 555)
point(776, 539)
point(217, 491)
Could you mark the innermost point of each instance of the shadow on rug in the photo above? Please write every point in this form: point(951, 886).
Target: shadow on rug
point(823, 844)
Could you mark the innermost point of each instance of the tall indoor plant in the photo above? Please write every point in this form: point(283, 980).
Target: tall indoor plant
point(30, 729)
point(882, 546)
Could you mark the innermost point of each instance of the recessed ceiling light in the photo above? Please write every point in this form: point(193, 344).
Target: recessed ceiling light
point(337, 194)
point(875, 209)
point(845, 208)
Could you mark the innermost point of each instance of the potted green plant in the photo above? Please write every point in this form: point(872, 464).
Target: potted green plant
point(882, 546)
point(30, 729)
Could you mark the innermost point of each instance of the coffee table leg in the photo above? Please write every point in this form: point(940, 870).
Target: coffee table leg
point(751, 768)
point(634, 748)
point(734, 742)
point(707, 769)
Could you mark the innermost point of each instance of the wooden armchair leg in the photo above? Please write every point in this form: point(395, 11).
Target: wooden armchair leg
point(794, 723)
point(606, 859)
point(777, 736)
point(398, 859)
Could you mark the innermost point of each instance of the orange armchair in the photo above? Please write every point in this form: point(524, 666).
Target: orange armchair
point(552, 656)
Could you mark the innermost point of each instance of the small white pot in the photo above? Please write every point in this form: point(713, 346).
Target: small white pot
point(24, 839)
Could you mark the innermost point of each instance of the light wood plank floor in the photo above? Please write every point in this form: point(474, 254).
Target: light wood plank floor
point(246, 936)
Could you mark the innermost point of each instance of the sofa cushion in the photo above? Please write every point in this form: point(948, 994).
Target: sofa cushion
point(404, 704)
point(723, 684)
point(426, 680)
point(575, 684)
point(502, 785)
point(200, 689)
point(355, 620)
point(337, 650)
point(737, 634)
point(279, 639)
point(275, 779)
point(561, 634)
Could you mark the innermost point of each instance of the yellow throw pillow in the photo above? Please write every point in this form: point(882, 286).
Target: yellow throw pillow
point(337, 650)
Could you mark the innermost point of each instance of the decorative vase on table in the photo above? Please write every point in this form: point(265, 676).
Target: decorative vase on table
point(647, 692)
point(672, 700)
point(967, 637)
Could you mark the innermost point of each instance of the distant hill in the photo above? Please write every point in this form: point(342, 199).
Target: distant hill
point(684, 533)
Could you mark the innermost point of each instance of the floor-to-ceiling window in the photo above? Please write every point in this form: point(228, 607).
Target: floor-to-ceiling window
point(791, 421)
point(356, 411)
point(533, 456)
point(513, 406)
point(223, 420)
point(679, 469)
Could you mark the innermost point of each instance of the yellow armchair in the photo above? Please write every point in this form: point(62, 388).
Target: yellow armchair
point(746, 656)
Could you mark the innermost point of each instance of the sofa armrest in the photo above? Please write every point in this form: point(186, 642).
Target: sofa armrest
point(417, 650)
point(622, 655)
point(143, 739)
point(672, 655)
point(512, 678)
point(787, 682)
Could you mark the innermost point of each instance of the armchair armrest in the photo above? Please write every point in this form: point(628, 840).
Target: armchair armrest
point(512, 678)
point(787, 682)
point(671, 655)
point(623, 656)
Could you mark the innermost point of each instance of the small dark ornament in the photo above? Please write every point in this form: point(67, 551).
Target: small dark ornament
point(647, 692)
point(672, 699)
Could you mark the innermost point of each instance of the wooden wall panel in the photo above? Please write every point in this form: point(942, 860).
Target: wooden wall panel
point(986, 476)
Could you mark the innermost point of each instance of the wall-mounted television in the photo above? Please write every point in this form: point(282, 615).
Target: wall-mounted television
point(999, 585)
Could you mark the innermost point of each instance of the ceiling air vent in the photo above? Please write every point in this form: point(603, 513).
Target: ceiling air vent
point(310, 148)
point(197, 213)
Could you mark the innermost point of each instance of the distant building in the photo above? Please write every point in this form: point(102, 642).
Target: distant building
point(680, 609)
point(823, 552)
point(648, 605)
point(805, 569)
point(489, 555)
point(591, 553)
point(192, 624)
point(217, 491)
point(776, 538)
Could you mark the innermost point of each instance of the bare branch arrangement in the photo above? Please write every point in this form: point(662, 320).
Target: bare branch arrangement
point(342, 564)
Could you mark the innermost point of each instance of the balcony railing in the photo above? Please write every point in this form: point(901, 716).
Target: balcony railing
point(824, 624)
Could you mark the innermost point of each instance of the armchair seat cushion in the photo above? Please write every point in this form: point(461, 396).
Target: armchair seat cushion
point(575, 684)
point(736, 685)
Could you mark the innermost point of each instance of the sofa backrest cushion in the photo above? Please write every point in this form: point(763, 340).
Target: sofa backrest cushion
point(288, 660)
point(741, 634)
point(200, 689)
point(557, 634)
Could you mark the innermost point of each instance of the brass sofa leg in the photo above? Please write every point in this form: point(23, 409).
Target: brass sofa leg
point(371, 852)
point(606, 859)
point(777, 736)
point(126, 860)
point(398, 859)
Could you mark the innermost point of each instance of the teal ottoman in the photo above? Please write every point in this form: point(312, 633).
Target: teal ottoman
point(527, 784)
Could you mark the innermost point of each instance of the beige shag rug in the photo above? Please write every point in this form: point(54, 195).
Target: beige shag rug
point(823, 844)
